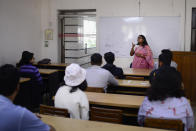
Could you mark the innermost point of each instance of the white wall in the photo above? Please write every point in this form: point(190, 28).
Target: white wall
point(20, 29)
point(115, 8)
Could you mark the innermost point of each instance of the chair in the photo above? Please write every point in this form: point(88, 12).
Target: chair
point(170, 124)
point(49, 110)
point(106, 115)
point(134, 78)
point(29, 96)
point(95, 89)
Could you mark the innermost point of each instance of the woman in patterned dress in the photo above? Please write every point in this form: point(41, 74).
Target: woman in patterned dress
point(143, 57)
point(165, 99)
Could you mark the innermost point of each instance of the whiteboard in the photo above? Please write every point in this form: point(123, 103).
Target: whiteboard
point(116, 34)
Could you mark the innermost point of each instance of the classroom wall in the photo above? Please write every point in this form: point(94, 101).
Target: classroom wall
point(20, 29)
point(115, 8)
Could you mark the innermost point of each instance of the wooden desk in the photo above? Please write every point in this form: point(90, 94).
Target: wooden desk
point(22, 80)
point(56, 64)
point(47, 71)
point(67, 124)
point(59, 67)
point(52, 65)
point(136, 72)
point(134, 83)
point(129, 104)
point(116, 100)
point(51, 81)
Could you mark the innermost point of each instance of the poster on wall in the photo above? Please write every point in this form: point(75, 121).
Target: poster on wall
point(48, 34)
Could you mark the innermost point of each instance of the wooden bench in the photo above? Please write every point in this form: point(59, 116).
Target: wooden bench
point(50, 110)
point(169, 124)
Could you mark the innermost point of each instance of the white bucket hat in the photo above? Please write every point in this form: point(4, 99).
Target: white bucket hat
point(74, 75)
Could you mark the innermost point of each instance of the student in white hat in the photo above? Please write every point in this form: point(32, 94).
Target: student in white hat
point(71, 96)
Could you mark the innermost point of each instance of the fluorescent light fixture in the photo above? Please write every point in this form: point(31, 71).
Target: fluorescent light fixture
point(133, 19)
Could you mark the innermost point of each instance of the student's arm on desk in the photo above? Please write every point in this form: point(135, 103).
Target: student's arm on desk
point(112, 80)
point(52, 128)
point(121, 76)
point(38, 77)
point(31, 122)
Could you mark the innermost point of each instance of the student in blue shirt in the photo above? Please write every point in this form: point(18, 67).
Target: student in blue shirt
point(13, 117)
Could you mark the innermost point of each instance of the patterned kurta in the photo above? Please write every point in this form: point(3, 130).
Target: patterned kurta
point(143, 63)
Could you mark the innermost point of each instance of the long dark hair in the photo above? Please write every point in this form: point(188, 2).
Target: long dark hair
point(167, 83)
point(26, 58)
point(144, 40)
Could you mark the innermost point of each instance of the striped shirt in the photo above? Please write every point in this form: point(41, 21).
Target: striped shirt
point(32, 72)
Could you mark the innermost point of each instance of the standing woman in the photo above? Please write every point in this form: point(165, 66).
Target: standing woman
point(143, 57)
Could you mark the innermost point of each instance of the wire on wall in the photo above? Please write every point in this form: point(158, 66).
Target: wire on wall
point(139, 3)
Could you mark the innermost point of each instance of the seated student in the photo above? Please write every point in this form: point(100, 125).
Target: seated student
point(71, 95)
point(20, 63)
point(35, 84)
point(164, 61)
point(97, 76)
point(165, 99)
point(169, 54)
point(116, 71)
point(28, 70)
point(15, 118)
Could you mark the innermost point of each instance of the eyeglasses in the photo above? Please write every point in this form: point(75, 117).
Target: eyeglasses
point(140, 38)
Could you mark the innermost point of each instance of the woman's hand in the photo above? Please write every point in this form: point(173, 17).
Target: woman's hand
point(133, 45)
point(132, 52)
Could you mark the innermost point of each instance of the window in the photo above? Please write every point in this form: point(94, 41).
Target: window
point(77, 35)
point(193, 31)
point(90, 32)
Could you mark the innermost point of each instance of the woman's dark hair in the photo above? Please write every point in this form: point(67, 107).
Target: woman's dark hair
point(9, 79)
point(144, 40)
point(166, 83)
point(109, 57)
point(82, 87)
point(26, 58)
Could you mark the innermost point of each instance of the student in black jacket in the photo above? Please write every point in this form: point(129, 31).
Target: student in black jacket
point(164, 61)
point(116, 71)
